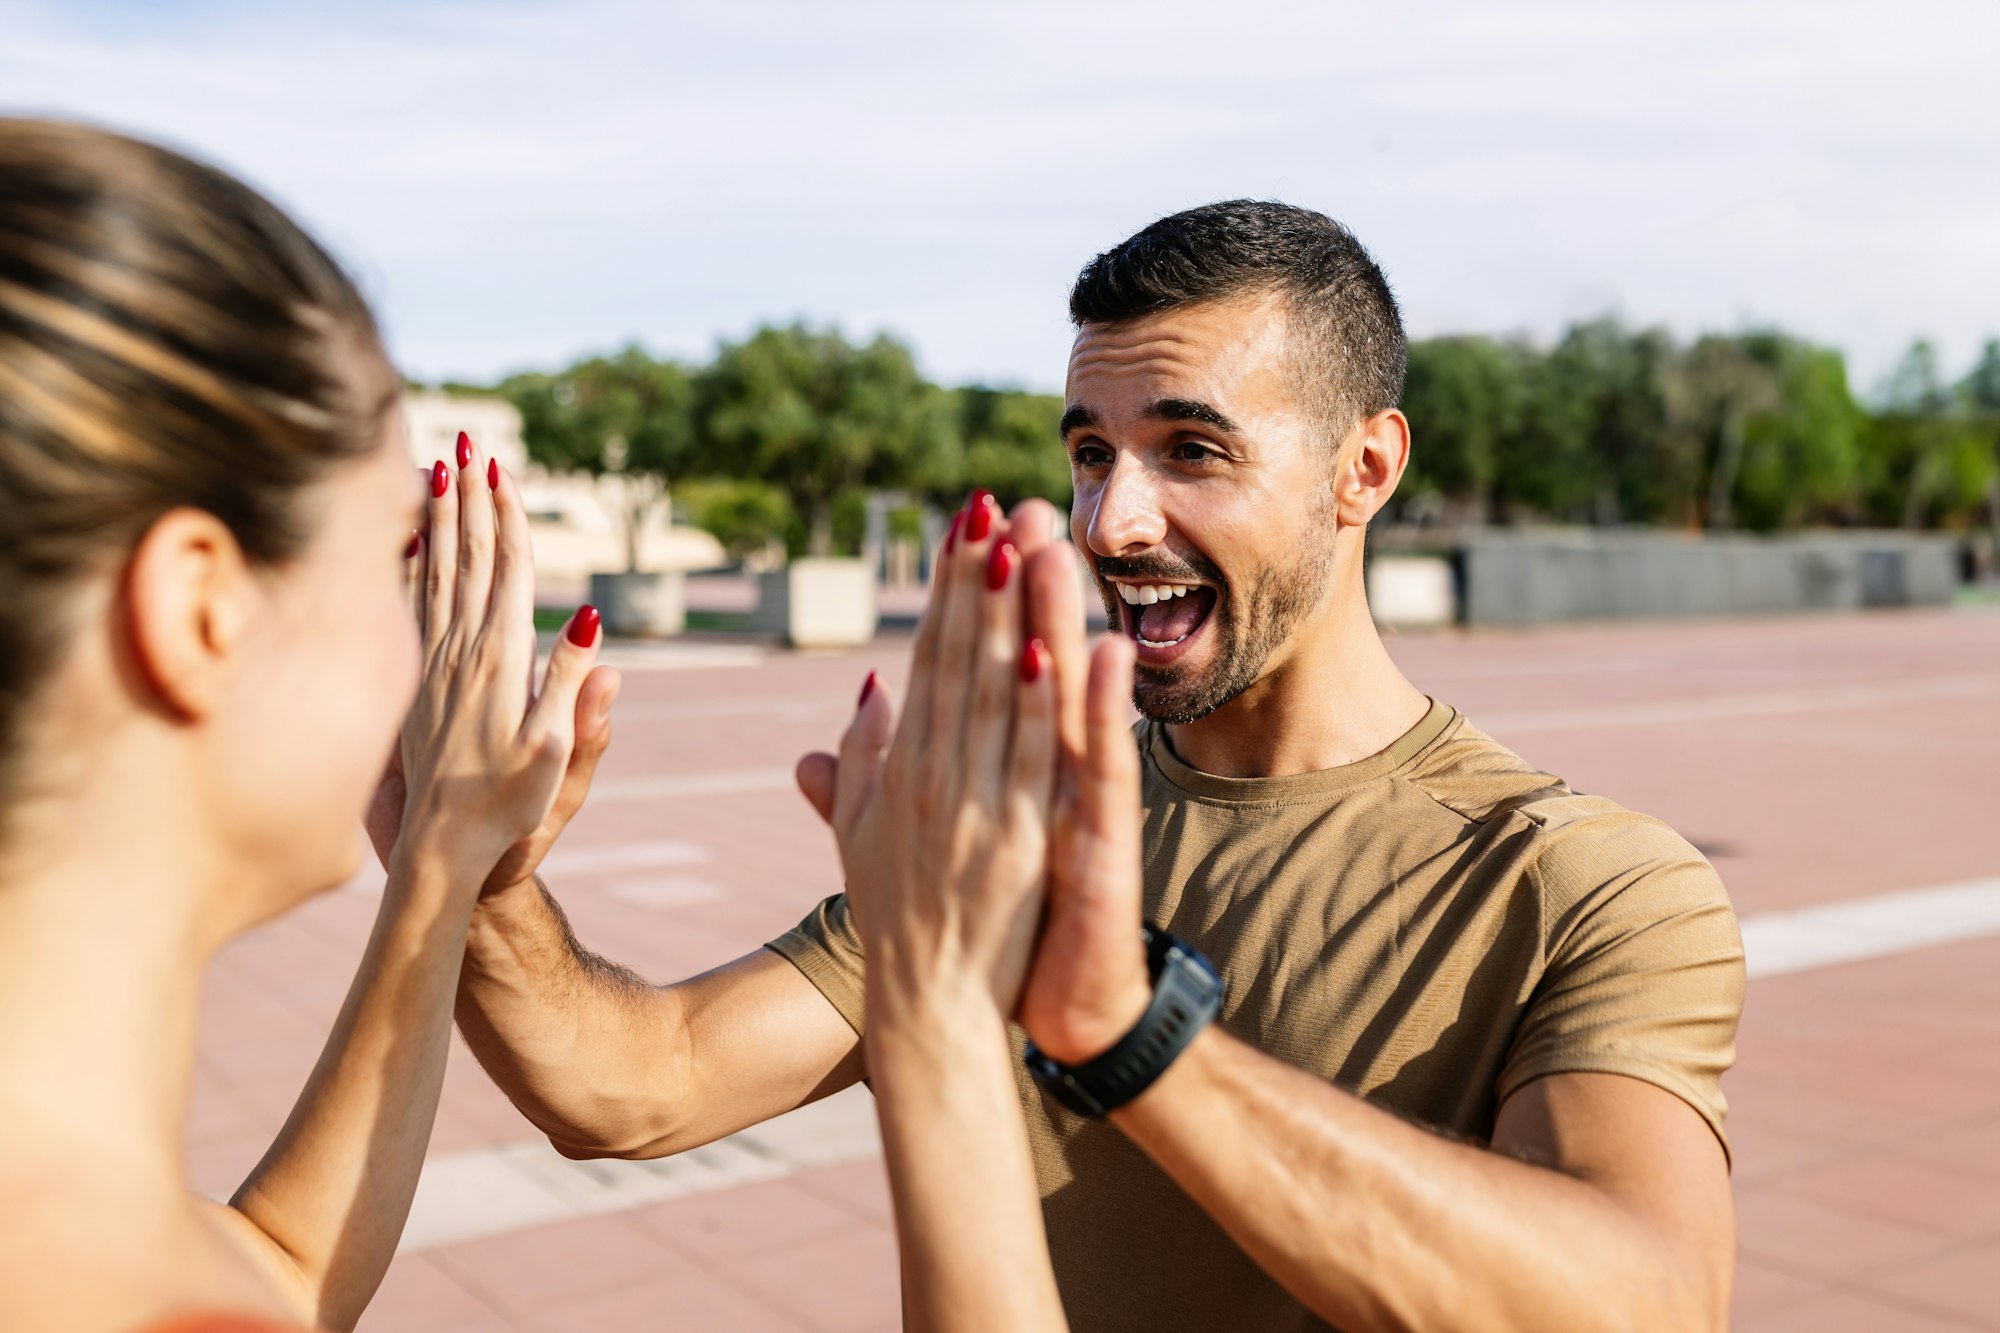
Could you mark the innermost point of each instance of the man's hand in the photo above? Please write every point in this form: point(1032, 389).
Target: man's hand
point(1088, 985)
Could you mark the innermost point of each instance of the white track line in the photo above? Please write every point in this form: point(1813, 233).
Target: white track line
point(488, 1191)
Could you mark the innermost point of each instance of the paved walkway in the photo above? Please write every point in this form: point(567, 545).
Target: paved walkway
point(1826, 766)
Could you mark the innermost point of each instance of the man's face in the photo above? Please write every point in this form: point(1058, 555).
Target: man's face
point(1203, 497)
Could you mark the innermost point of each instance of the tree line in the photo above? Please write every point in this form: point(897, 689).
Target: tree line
point(783, 435)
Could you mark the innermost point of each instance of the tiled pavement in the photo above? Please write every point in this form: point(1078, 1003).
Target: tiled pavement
point(1814, 760)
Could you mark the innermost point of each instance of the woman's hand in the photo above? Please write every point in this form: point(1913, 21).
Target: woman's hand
point(490, 769)
point(943, 829)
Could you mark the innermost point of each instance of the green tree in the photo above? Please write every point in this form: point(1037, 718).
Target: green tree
point(1926, 460)
point(821, 419)
point(1009, 445)
point(1801, 458)
point(624, 415)
point(1714, 390)
point(1463, 396)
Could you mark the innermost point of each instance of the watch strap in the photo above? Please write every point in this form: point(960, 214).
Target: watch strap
point(1187, 995)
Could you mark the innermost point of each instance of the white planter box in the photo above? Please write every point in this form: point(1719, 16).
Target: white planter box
point(640, 605)
point(818, 603)
point(1412, 590)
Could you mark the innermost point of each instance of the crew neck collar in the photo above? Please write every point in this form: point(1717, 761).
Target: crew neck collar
point(1315, 786)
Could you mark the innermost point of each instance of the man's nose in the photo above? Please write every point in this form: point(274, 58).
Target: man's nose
point(1126, 517)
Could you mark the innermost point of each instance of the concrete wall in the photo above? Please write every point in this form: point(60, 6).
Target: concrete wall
point(1533, 577)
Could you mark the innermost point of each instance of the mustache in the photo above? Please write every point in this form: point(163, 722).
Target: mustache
point(1161, 568)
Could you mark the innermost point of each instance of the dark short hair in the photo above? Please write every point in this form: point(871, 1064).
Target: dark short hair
point(1351, 336)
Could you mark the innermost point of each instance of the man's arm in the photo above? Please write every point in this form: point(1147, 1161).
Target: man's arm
point(608, 1065)
point(1604, 1203)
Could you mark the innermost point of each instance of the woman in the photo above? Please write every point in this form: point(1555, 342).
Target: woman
point(206, 650)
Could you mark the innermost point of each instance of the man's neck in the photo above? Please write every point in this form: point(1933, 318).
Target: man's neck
point(1335, 698)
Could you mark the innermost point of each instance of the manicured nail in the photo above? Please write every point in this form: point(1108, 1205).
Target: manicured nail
point(583, 627)
point(867, 688)
point(440, 479)
point(1033, 659)
point(464, 450)
point(999, 566)
point(410, 551)
point(492, 474)
point(951, 538)
point(979, 516)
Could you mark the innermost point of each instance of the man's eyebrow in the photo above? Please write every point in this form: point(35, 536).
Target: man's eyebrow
point(1075, 419)
point(1188, 409)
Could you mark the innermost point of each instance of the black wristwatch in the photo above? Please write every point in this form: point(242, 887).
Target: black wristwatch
point(1187, 995)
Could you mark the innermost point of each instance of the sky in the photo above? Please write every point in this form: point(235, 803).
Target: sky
point(517, 184)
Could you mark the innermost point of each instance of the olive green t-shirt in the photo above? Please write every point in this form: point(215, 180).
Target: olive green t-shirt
point(1430, 928)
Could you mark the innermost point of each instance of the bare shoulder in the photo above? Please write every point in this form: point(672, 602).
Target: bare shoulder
point(82, 1253)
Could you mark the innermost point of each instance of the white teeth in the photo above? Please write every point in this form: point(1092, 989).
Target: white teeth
point(1146, 594)
point(1159, 643)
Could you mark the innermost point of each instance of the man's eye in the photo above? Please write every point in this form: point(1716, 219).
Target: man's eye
point(1090, 455)
point(1193, 451)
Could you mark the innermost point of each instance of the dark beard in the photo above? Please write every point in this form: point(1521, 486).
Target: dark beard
point(1248, 630)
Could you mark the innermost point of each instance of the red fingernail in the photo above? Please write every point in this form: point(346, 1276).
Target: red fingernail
point(951, 538)
point(867, 688)
point(583, 627)
point(440, 479)
point(1033, 658)
point(999, 566)
point(464, 450)
point(410, 551)
point(493, 474)
point(979, 516)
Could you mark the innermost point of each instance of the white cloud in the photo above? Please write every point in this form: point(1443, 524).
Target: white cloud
point(519, 182)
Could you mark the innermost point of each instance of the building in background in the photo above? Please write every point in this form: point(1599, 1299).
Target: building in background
point(576, 519)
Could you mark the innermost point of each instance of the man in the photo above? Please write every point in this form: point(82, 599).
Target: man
point(1466, 1073)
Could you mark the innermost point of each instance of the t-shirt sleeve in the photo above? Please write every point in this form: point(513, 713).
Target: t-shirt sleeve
point(826, 948)
point(1644, 965)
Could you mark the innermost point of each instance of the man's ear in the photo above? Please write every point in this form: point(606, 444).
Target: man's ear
point(1377, 453)
point(190, 597)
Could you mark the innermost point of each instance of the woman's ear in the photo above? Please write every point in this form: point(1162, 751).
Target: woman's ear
point(190, 598)
point(1373, 466)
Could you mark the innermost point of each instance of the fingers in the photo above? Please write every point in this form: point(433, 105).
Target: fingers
point(1031, 759)
point(593, 738)
point(923, 653)
point(1054, 615)
point(955, 654)
point(477, 535)
point(1108, 799)
point(816, 775)
point(510, 623)
point(1031, 526)
point(863, 751)
point(440, 553)
point(552, 719)
point(996, 653)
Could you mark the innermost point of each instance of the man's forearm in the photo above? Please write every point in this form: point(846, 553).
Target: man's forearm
point(587, 1050)
point(1378, 1225)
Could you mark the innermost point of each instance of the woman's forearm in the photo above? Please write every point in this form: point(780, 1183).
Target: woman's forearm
point(968, 1215)
point(334, 1190)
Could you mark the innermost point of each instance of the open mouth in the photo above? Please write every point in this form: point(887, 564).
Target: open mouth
point(1164, 617)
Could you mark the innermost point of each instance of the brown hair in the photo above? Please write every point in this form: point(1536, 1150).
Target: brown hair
point(168, 338)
